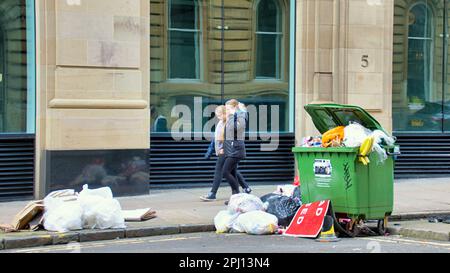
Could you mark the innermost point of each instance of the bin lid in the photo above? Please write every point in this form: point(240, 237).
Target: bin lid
point(329, 116)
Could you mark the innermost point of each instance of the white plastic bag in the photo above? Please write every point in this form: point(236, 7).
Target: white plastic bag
point(243, 203)
point(224, 221)
point(105, 192)
point(256, 223)
point(100, 210)
point(355, 134)
point(381, 136)
point(63, 216)
point(381, 153)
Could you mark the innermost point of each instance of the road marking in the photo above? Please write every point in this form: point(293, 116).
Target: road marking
point(103, 244)
point(400, 240)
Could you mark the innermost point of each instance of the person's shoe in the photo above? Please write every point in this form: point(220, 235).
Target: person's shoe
point(227, 202)
point(209, 198)
point(248, 190)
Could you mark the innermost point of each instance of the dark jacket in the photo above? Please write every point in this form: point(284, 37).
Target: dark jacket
point(234, 145)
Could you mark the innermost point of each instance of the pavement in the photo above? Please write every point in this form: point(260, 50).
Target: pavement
point(181, 211)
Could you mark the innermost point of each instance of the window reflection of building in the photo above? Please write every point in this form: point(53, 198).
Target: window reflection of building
point(186, 55)
point(269, 34)
point(14, 66)
point(420, 92)
point(184, 35)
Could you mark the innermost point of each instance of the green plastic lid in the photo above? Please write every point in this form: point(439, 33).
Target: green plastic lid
point(329, 116)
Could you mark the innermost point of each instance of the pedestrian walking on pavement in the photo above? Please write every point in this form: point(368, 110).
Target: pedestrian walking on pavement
point(234, 143)
point(216, 147)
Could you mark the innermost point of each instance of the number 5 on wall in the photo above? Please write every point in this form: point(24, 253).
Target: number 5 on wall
point(365, 61)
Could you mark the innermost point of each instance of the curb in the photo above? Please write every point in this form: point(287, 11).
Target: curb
point(10, 243)
point(417, 216)
point(420, 234)
point(16, 242)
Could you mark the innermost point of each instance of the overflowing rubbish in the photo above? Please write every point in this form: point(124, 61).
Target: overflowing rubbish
point(67, 210)
point(351, 139)
point(312, 142)
point(333, 138)
point(260, 216)
point(354, 135)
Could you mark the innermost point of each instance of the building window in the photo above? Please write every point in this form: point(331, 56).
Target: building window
point(184, 34)
point(17, 67)
point(269, 35)
point(420, 48)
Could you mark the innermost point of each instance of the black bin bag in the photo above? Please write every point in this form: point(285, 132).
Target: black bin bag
point(283, 207)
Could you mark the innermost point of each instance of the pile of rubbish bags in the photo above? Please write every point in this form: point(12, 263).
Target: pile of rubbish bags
point(90, 209)
point(67, 210)
point(259, 216)
point(352, 136)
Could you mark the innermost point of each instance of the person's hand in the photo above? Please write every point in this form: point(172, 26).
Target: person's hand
point(221, 152)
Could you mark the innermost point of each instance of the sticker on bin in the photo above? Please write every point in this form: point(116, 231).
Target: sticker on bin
point(323, 168)
point(309, 220)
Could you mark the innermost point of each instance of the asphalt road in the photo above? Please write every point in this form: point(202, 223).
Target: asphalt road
point(239, 243)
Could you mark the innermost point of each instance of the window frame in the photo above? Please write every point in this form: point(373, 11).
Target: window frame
point(199, 44)
point(430, 94)
point(281, 44)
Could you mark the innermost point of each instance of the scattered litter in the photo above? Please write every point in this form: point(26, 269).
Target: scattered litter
point(22, 221)
point(139, 215)
point(439, 219)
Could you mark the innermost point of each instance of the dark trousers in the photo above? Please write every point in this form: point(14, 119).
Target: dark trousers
point(219, 174)
point(229, 172)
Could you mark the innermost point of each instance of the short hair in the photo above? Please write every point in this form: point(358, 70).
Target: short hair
point(233, 102)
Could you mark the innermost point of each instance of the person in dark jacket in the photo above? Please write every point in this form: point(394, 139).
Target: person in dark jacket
point(216, 147)
point(234, 143)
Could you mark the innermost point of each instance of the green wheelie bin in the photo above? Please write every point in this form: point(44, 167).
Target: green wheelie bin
point(357, 192)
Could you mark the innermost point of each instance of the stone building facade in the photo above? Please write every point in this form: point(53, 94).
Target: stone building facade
point(89, 89)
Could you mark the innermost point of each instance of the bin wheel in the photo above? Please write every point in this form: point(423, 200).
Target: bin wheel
point(382, 226)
